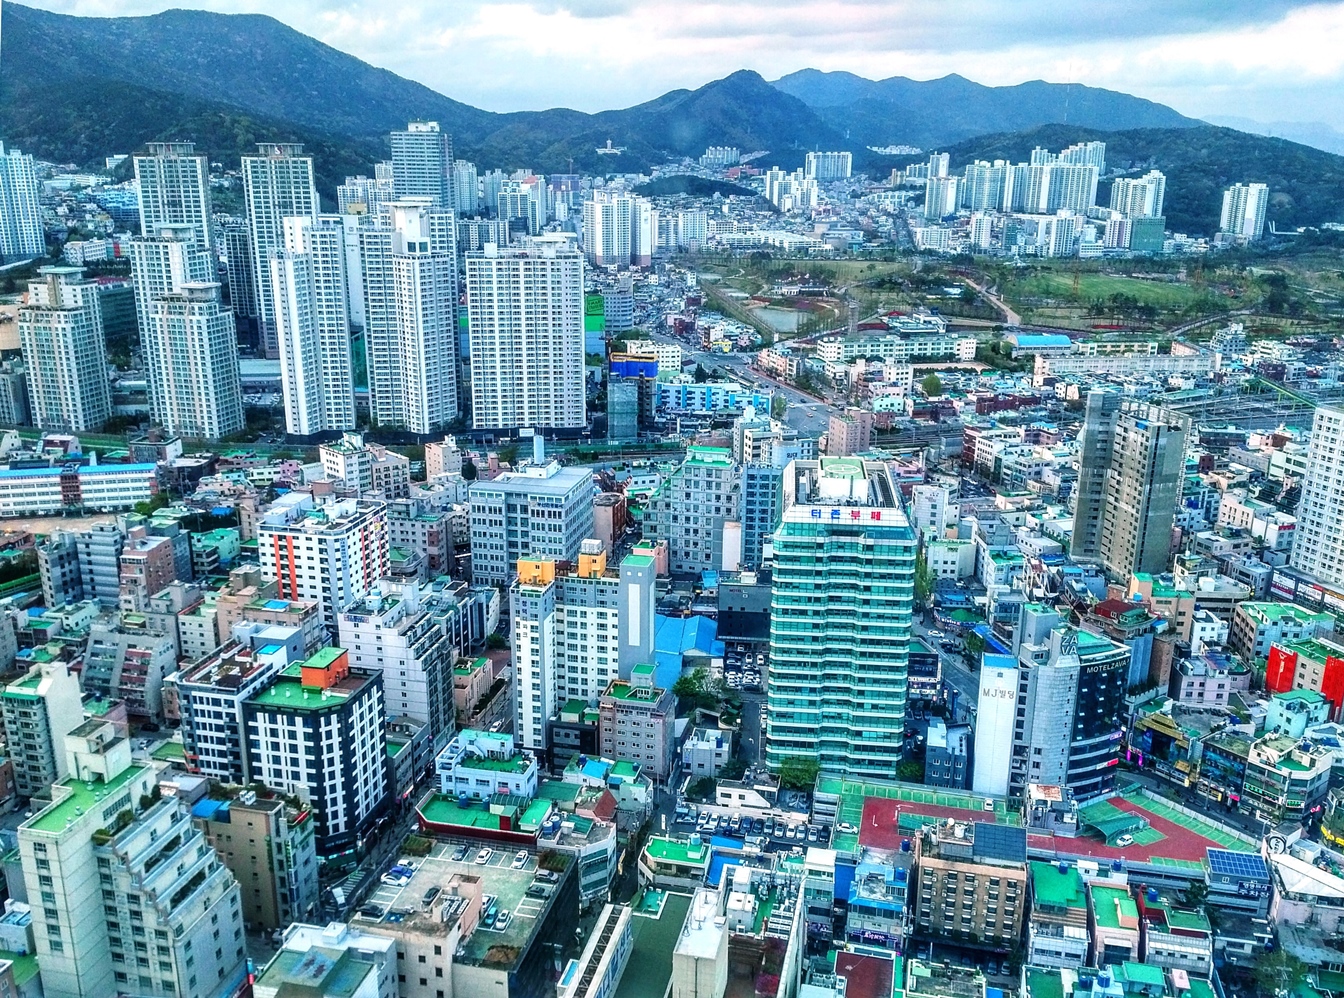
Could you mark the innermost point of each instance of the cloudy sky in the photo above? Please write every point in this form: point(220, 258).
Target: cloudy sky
point(1271, 60)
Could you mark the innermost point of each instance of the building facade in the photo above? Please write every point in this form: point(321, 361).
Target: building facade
point(61, 336)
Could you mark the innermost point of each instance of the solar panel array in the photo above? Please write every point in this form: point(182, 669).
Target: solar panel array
point(1237, 865)
point(1001, 842)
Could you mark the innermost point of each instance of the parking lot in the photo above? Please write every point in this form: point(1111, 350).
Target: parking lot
point(780, 827)
point(744, 666)
point(388, 899)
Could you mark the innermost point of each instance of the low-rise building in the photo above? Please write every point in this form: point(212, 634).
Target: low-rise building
point(1173, 937)
point(480, 764)
point(1285, 777)
point(335, 960)
point(972, 883)
point(706, 751)
point(1057, 932)
point(1256, 626)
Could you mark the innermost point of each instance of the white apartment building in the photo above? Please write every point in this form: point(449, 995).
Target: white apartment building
point(941, 196)
point(191, 350)
point(61, 335)
point(390, 632)
point(539, 511)
point(174, 187)
point(826, 166)
point(1319, 547)
point(365, 968)
point(161, 263)
point(410, 295)
point(790, 191)
point(21, 233)
point(422, 164)
point(39, 710)
point(1140, 197)
point(930, 508)
point(277, 184)
point(1244, 208)
point(211, 693)
point(691, 507)
point(127, 898)
point(466, 188)
point(323, 550)
point(308, 284)
point(532, 617)
point(525, 314)
point(365, 195)
point(479, 764)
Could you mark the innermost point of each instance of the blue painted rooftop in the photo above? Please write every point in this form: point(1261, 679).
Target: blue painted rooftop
point(1041, 340)
point(111, 469)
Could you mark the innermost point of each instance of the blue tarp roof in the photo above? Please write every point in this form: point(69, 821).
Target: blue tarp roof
point(1041, 340)
point(209, 809)
point(844, 878)
point(675, 637)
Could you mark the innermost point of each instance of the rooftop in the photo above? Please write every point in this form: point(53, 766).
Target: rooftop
point(336, 973)
point(288, 692)
point(1051, 887)
point(1110, 903)
point(679, 851)
point(84, 796)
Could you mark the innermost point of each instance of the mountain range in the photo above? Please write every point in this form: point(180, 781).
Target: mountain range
point(75, 89)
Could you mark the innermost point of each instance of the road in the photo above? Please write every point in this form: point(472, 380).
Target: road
point(955, 673)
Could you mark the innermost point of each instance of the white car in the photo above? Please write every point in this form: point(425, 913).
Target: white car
point(988, 805)
point(845, 828)
point(483, 856)
point(519, 859)
point(1125, 840)
point(392, 880)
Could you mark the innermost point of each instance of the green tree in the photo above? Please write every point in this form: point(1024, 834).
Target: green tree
point(779, 405)
point(733, 769)
point(469, 472)
point(910, 771)
point(932, 386)
point(701, 789)
point(1278, 971)
point(496, 642)
point(508, 454)
point(973, 647)
point(701, 375)
point(923, 579)
point(798, 773)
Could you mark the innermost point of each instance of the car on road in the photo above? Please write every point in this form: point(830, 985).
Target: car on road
point(519, 860)
point(483, 856)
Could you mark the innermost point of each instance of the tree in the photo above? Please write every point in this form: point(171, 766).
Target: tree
point(496, 642)
point(469, 472)
point(932, 386)
point(798, 773)
point(973, 647)
point(1277, 972)
point(779, 405)
point(923, 579)
point(910, 771)
point(733, 769)
point(701, 375)
point(701, 789)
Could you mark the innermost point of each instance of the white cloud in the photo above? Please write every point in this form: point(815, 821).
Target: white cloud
point(1270, 59)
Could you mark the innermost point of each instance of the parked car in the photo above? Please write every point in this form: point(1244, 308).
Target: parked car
point(519, 859)
point(483, 856)
point(502, 920)
point(845, 828)
point(430, 895)
point(1125, 840)
point(548, 876)
point(459, 854)
point(371, 911)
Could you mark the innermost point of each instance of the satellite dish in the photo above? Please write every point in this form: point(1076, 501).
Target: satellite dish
point(1277, 844)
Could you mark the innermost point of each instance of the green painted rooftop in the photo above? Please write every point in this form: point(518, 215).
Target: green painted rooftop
point(1063, 890)
point(24, 969)
point(517, 763)
point(1107, 910)
point(678, 851)
point(85, 795)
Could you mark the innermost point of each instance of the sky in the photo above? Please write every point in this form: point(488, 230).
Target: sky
point(1268, 60)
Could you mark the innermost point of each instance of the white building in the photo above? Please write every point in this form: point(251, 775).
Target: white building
point(691, 508)
point(930, 508)
point(161, 262)
point(618, 229)
point(422, 164)
point(334, 959)
point(20, 212)
point(277, 184)
point(365, 195)
point(826, 166)
point(173, 182)
point(191, 350)
point(1244, 208)
point(159, 884)
point(533, 622)
point(106, 488)
point(1319, 547)
point(525, 312)
point(479, 764)
point(669, 355)
point(389, 631)
point(790, 192)
point(466, 188)
point(1140, 197)
point(539, 511)
point(941, 196)
point(996, 710)
point(61, 335)
point(328, 551)
point(308, 287)
point(410, 291)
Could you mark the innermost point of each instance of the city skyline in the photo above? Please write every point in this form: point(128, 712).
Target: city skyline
point(1244, 60)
